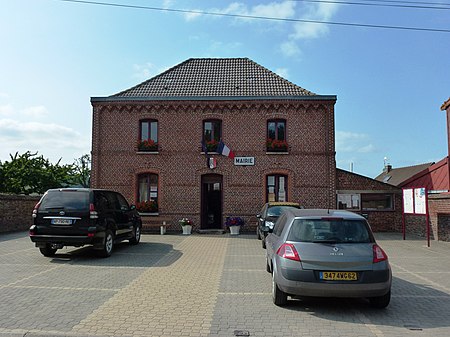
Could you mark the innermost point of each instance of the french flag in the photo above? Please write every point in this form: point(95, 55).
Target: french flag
point(225, 150)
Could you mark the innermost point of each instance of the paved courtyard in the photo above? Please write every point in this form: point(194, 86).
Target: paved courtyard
point(200, 285)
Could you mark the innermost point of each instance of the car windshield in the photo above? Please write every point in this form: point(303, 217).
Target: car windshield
point(277, 210)
point(329, 231)
point(66, 199)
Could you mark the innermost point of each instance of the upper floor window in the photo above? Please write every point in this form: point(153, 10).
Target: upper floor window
point(148, 140)
point(276, 188)
point(276, 136)
point(212, 132)
point(147, 193)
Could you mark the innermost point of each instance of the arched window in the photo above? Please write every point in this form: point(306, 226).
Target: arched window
point(276, 187)
point(148, 131)
point(147, 192)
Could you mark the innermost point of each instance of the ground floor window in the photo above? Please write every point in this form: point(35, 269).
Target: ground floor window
point(147, 193)
point(377, 202)
point(349, 201)
point(276, 188)
point(366, 201)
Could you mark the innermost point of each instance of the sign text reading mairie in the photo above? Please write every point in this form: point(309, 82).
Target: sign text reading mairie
point(244, 161)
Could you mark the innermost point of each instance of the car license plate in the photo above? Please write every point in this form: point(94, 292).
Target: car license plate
point(61, 221)
point(338, 276)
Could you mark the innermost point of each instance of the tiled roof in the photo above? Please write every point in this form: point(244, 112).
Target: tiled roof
point(399, 175)
point(216, 77)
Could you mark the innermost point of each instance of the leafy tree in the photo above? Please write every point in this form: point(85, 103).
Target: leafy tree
point(29, 173)
point(82, 171)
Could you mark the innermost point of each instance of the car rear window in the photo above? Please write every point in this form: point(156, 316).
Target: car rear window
point(320, 230)
point(68, 200)
point(277, 210)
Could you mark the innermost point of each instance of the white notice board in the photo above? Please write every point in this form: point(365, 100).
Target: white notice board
point(408, 201)
point(420, 206)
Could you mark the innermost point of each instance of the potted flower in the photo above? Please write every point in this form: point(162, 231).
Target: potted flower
point(186, 225)
point(274, 145)
point(234, 223)
point(147, 145)
point(211, 145)
point(148, 206)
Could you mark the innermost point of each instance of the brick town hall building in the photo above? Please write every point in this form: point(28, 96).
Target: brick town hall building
point(157, 143)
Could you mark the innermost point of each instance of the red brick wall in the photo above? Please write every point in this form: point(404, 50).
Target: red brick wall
point(15, 212)
point(439, 219)
point(380, 221)
point(439, 209)
point(310, 164)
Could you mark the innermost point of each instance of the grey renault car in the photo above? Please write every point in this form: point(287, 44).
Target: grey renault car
point(83, 216)
point(326, 253)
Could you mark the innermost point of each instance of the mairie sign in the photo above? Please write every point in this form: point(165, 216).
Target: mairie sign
point(244, 161)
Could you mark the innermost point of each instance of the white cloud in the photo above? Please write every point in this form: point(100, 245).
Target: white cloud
point(35, 111)
point(143, 72)
point(353, 142)
point(317, 12)
point(283, 10)
point(168, 3)
point(290, 48)
point(308, 30)
point(6, 110)
point(192, 16)
point(20, 133)
point(283, 72)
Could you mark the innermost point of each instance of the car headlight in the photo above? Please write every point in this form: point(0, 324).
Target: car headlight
point(270, 224)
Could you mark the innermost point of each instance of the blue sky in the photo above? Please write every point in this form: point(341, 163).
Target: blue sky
point(390, 83)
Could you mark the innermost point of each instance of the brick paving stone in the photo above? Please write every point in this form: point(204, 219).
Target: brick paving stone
point(200, 285)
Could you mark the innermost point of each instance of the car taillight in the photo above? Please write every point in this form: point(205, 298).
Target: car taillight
point(35, 210)
point(92, 212)
point(378, 254)
point(32, 230)
point(288, 251)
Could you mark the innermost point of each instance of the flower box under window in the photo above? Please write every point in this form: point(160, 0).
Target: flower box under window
point(274, 145)
point(147, 146)
point(150, 206)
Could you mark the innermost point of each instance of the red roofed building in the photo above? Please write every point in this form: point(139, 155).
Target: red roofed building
point(436, 179)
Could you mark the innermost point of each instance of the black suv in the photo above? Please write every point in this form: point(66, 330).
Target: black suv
point(82, 216)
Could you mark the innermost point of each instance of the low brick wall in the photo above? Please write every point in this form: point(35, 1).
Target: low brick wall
point(15, 212)
point(439, 210)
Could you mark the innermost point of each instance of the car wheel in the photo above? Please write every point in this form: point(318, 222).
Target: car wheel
point(48, 250)
point(108, 244)
point(279, 297)
point(380, 302)
point(136, 235)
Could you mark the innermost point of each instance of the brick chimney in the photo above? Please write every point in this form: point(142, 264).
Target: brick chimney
point(446, 107)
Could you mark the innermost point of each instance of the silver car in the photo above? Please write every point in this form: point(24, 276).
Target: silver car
point(326, 253)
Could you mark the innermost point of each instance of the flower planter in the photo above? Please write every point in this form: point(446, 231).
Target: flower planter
point(187, 229)
point(234, 230)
